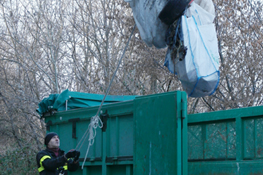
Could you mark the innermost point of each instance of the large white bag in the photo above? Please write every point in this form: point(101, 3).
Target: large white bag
point(199, 71)
point(145, 14)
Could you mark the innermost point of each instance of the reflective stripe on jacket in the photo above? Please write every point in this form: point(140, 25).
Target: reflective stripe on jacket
point(41, 168)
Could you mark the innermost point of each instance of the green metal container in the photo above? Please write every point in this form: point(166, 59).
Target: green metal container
point(143, 136)
point(226, 142)
point(153, 135)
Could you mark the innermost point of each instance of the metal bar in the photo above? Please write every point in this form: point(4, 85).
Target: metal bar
point(118, 159)
point(210, 160)
point(98, 159)
point(245, 138)
point(94, 150)
point(178, 132)
point(255, 138)
point(204, 138)
point(226, 114)
point(117, 137)
point(108, 133)
point(119, 163)
point(104, 152)
point(128, 170)
point(240, 139)
point(227, 139)
point(184, 135)
point(85, 171)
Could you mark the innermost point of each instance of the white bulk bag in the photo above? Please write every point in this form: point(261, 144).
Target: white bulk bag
point(152, 29)
point(199, 71)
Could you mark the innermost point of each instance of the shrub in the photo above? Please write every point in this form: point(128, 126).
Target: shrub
point(18, 161)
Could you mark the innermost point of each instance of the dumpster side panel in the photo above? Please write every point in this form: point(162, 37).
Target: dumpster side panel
point(112, 151)
point(157, 136)
point(226, 142)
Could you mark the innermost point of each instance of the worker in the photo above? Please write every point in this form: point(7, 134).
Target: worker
point(53, 161)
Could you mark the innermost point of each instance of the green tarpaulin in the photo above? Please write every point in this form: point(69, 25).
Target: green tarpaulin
point(71, 100)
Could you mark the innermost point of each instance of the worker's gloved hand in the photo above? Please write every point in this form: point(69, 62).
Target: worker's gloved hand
point(71, 154)
point(76, 158)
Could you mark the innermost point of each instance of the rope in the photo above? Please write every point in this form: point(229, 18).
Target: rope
point(95, 120)
point(92, 133)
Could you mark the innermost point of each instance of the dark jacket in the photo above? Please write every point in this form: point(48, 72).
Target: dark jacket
point(49, 164)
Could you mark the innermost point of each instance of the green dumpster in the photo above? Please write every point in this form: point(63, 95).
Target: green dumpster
point(153, 135)
point(147, 135)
